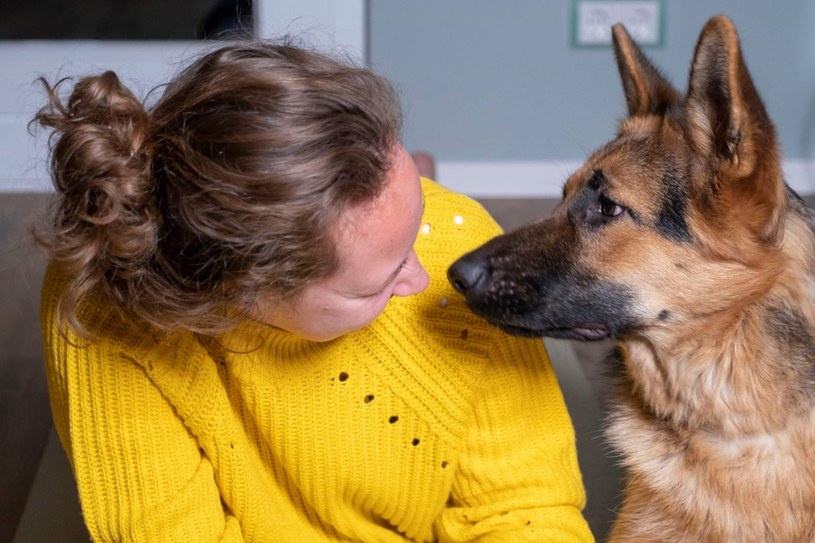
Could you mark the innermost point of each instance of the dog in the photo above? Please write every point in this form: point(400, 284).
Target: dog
point(680, 240)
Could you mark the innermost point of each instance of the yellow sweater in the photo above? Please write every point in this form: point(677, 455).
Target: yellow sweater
point(427, 425)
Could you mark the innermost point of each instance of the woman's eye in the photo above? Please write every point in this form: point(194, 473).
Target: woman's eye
point(609, 208)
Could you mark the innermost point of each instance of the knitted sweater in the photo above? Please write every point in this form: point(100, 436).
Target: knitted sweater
point(426, 425)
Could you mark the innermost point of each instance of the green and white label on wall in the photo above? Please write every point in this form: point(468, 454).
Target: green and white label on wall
point(592, 21)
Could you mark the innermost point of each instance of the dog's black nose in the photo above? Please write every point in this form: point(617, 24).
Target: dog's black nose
point(466, 273)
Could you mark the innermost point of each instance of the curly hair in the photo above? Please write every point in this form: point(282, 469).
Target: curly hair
point(182, 213)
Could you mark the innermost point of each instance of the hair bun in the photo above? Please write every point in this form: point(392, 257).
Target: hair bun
point(106, 223)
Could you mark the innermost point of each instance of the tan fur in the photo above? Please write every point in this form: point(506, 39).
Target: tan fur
point(680, 240)
point(716, 432)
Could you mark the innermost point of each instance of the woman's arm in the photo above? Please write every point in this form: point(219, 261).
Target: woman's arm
point(518, 478)
point(140, 474)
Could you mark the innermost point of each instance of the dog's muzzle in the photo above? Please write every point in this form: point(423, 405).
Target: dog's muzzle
point(467, 273)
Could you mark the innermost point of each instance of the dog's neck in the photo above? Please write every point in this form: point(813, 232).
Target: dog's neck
point(697, 385)
point(762, 354)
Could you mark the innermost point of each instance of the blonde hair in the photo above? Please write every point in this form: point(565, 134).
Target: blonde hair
point(182, 213)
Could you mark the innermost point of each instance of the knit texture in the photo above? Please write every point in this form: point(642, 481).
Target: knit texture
point(426, 425)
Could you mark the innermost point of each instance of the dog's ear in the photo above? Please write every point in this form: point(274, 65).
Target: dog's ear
point(728, 123)
point(646, 91)
point(728, 117)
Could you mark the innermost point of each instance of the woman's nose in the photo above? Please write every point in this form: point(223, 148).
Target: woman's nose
point(413, 283)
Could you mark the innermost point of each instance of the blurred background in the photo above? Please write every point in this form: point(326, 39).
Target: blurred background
point(506, 97)
point(504, 94)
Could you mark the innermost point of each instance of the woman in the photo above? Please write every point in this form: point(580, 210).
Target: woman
point(248, 331)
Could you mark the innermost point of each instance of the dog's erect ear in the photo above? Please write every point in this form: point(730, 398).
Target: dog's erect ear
point(727, 114)
point(646, 91)
point(729, 124)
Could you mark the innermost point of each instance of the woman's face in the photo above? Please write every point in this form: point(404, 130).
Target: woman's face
point(377, 260)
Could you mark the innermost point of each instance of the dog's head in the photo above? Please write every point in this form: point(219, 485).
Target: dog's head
point(679, 216)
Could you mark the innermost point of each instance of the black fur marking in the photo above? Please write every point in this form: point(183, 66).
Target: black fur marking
point(570, 306)
point(790, 331)
point(794, 194)
point(597, 180)
point(615, 363)
point(635, 217)
point(799, 206)
point(664, 314)
point(530, 283)
point(671, 219)
point(585, 207)
point(581, 302)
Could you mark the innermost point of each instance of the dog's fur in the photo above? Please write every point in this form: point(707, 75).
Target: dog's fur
point(680, 240)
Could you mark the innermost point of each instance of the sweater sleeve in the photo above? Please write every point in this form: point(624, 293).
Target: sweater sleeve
point(140, 474)
point(518, 477)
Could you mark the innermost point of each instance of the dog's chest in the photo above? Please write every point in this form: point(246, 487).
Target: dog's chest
point(757, 487)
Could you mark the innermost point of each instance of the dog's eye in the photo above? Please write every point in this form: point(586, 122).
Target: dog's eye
point(609, 208)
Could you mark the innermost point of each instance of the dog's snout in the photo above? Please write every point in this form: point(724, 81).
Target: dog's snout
point(466, 273)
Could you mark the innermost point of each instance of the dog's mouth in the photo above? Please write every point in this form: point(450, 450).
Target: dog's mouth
point(587, 332)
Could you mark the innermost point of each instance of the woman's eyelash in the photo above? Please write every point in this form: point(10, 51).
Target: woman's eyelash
point(395, 276)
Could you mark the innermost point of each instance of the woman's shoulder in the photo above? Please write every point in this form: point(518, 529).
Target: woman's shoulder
point(453, 224)
point(439, 198)
point(99, 319)
point(105, 331)
point(454, 218)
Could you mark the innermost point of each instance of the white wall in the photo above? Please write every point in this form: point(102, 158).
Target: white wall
point(330, 24)
point(493, 89)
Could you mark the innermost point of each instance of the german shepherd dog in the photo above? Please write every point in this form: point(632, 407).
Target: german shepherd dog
point(680, 240)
